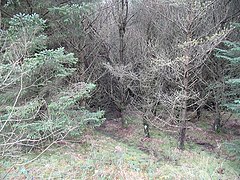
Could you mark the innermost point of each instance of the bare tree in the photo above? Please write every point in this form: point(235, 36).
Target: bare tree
point(183, 35)
point(201, 34)
point(116, 26)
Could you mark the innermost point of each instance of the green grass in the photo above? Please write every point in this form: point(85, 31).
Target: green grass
point(102, 157)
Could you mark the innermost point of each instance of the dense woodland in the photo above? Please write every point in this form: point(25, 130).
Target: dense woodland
point(70, 68)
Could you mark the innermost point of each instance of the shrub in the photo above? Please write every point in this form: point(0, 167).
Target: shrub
point(38, 104)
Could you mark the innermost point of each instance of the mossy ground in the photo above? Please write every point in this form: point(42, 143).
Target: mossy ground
point(115, 153)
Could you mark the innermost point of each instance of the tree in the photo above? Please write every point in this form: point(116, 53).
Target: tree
point(191, 31)
point(38, 104)
point(231, 54)
point(194, 52)
point(119, 92)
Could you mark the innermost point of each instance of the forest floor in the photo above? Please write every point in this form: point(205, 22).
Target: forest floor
point(111, 152)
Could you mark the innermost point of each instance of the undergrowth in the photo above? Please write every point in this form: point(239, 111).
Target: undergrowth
point(102, 157)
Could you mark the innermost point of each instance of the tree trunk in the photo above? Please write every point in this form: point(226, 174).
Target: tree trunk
point(122, 23)
point(217, 120)
point(182, 136)
point(124, 120)
point(121, 46)
point(199, 110)
point(146, 128)
point(182, 131)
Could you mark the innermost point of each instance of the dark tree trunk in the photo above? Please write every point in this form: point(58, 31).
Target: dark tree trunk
point(182, 131)
point(217, 120)
point(122, 23)
point(199, 113)
point(121, 46)
point(182, 136)
point(217, 117)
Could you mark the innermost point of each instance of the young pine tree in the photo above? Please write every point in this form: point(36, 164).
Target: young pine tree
point(231, 54)
point(38, 105)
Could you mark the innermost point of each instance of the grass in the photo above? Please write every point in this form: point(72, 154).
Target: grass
point(104, 157)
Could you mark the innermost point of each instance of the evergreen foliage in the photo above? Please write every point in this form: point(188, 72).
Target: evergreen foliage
point(38, 104)
point(231, 54)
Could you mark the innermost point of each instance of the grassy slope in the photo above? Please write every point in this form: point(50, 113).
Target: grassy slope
point(103, 156)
